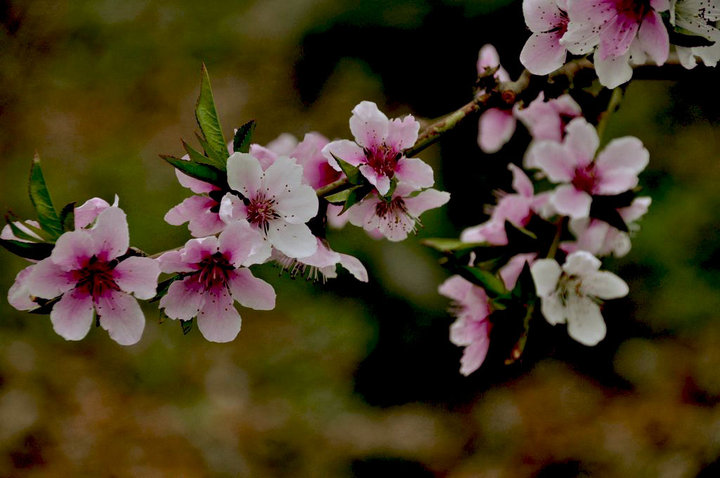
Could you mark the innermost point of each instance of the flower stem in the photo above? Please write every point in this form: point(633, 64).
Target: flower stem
point(613, 105)
point(332, 188)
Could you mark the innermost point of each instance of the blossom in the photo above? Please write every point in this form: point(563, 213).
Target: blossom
point(89, 272)
point(569, 294)
point(546, 119)
point(572, 164)
point(396, 217)
point(600, 238)
point(199, 211)
point(274, 202)
point(510, 272)
point(19, 293)
point(699, 17)
point(548, 21)
point(622, 30)
point(214, 275)
point(378, 149)
point(516, 208)
point(496, 125)
point(472, 328)
point(323, 263)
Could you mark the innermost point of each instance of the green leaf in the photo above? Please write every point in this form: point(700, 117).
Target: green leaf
point(19, 233)
point(29, 250)
point(450, 245)
point(351, 172)
point(203, 172)
point(187, 326)
point(243, 137)
point(492, 284)
point(341, 197)
point(356, 195)
point(197, 157)
point(40, 198)
point(67, 217)
point(207, 119)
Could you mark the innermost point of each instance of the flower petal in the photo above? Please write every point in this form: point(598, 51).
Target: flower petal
point(88, 211)
point(298, 205)
point(73, 249)
point(474, 356)
point(542, 15)
point(402, 133)
point(346, 150)
point(581, 141)
point(110, 234)
point(543, 53)
point(571, 202)
point(623, 153)
point(293, 240)
point(604, 285)
point(184, 299)
point(553, 159)
point(585, 322)
point(495, 128)
point(654, 38)
point(614, 71)
point(218, 319)
point(581, 263)
point(414, 172)
point(19, 294)
point(244, 174)
point(138, 275)
point(250, 291)
point(121, 316)
point(369, 125)
point(172, 261)
point(196, 210)
point(72, 316)
point(242, 245)
point(545, 274)
point(48, 280)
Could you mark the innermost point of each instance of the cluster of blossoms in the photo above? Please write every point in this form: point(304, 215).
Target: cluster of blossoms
point(619, 34)
point(539, 250)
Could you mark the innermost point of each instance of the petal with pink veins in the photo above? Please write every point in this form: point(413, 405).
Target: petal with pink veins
point(137, 275)
point(73, 249)
point(346, 150)
point(402, 133)
point(88, 211)
point(196, 250)
point(582, 141)
point(616, 181)
point(121, 315)
point(250, 291)
point(543, 53)
point(369, 125)
point(172, 261)
point(426, 200)
point(48, 280)
point(239, 242)
point(72, 315)
point(415, 172)
point(654, 39)
point(184, 299)
point(218, 319)
point(110, 234)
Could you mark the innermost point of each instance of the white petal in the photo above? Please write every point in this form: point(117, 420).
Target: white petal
point(581, 263)
point(585, 322)
point(604, 285)
point(545, 274)
point(293, 240)
point(553, 310)
point(244, 173)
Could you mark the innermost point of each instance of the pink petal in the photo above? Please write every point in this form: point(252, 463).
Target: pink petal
point(581, 141)
point(73, 249)
point(110, 234)
point(369, 125)
point(613, 71)
point(244, 174)
point(195, 185)
point(48, 280)
point(495, 128)
point(293, 240)
point(19, 294)
point(171, 261)
point(542, 15)
point(456, 288)
point(239, 242)
point(616, 37)
point(196, 250)
point(196, 210)
point(402, 133)
point(377, 179)
point(284, 175)
point(415, 172)
point(426, 200)
point(543, 53)
point(184, 299)
point(218, 319)
point(474, 356)
point(88, 211)
point(553, 159)
point(488, 58)
point(138, 275)
point(346, 150)
point(121, 316)
point(232, 208)
point(510, 272)
point(284, 144)
point(623, 153)
point(569, 201)
point(265, 156)
point(636, 210)
point(654, 39)
point(354, 267)
point(616, 181)
point(72, 316)
point(250, 291)
point(521, 183)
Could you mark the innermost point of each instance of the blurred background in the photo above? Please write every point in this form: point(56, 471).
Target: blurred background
point(342, 379)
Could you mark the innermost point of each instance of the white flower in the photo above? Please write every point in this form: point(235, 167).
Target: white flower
point(570, 294)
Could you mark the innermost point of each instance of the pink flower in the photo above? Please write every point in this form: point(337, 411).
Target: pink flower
point(396, 217)
point(471, 330)
point(215, 275)
point(378, 150)
point(496, 125)
point(323, 263)
point(516, 208)
point(548, 21)
point(86, 213)
point(275, 202)
point(88, 272)
point(572, 164)
point(19, 294)
point(600, 238)
point(620, 29)
point(510, 272)
point(200, 211)
point(546, 120)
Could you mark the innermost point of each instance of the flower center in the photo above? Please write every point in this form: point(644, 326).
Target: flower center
point(214, 271)
point(96, 277)
point(383, 159)
point(585, 178)
point(393, 206)
point(633, 9)
point(567, 285)
point(261, 210)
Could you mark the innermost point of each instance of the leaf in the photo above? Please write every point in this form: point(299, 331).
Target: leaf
point(207, 119)
point(450, 245)
point(67, 217)
point(19, 233)
point(40, 198)
point(197, 157)
point(187, 325)
point(492, 284)
point(243, 137)
point(29, 250)
point(203, 172)
point(353, 174)
point(356, 195)
point(341, 197)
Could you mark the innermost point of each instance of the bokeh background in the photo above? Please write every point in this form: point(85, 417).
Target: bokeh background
point(342, 379)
